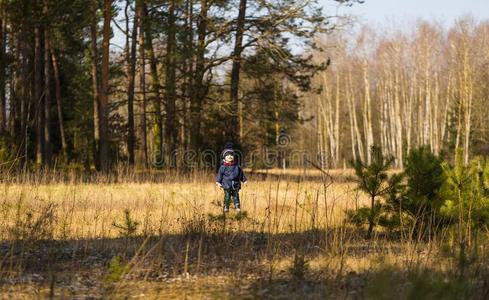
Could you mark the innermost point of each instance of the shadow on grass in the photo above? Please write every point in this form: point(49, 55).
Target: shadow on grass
point(196, 249)
point(383, 282)
point(241, 256)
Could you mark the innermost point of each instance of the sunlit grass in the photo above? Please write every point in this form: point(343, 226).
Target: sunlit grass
point(291, 238)
point(88, 210)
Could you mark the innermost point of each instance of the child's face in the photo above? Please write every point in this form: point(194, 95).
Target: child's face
point(229, 158)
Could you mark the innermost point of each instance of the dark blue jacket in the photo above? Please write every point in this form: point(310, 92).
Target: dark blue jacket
point(230, 177)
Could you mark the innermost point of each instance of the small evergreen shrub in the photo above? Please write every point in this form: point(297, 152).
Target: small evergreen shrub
point(373, 179)
point(416, 206)
point(129, 227)
point(466, 197)
point(299, 268)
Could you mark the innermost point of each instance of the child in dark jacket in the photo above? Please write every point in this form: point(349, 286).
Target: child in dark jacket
point(229, 178)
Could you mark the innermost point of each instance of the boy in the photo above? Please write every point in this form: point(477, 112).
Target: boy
point(229, 178)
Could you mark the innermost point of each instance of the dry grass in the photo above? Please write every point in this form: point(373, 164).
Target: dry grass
point(88, 210)
point(68, 240)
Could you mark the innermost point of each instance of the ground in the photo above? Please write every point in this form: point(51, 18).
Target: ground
point(168, 239)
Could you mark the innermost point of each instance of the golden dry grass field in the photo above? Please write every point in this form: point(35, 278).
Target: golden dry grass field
point(83, 211)
point(168, 239)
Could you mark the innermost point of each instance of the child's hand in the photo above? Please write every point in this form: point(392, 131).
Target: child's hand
point(245, 183)
point(218, 184)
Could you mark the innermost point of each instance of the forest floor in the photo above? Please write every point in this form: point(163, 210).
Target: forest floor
point(170, 240)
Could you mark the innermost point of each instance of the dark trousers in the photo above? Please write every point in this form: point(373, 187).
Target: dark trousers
point(227, 198)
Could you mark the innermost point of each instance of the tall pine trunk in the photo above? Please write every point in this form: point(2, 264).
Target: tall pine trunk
point(47, 99)
point(131, 60)
point(156, 103)
point(141, 8)
point(188, 70)
point(198, 88)
point(95, 84)
point(38, 97)
point(16, 87)
point(59, 105)
point(3, 100)
point(171, 128)
point(47, 88)
point(104, 87)
point(233, 127)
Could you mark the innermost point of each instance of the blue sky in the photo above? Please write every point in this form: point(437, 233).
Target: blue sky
point(381, 11)
point(387, 12)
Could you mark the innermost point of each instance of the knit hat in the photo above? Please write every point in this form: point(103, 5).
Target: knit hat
point(228, 148)
point(227, 152)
